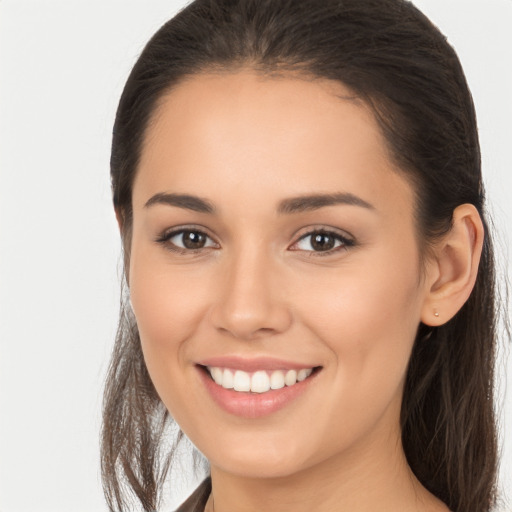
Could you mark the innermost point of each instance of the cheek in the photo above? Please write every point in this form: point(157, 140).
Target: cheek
point(168, 305)
point(165, 308)
point(368, 317)
point(374, 294)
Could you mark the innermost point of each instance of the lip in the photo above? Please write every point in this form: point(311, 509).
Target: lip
point(253, 405)
point(254, 363)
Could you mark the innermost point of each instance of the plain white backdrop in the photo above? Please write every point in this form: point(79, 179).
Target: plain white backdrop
point(63, 64)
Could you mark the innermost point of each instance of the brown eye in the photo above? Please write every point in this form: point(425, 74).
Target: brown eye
point(187, 239)
point(193, 239)
point(322, 241)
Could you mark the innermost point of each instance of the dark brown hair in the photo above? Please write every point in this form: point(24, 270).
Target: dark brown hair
point(393, 58)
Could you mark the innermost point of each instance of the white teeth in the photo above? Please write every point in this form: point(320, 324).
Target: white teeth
point(260, 382)
point(304, 374)
point(257, 382)
point(217, 375)
point(227, 379)
point(277, 380)
point(242, 381)
point(290, 378)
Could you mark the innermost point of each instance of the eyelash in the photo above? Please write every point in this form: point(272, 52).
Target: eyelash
point(344, 242)
point(165, 240)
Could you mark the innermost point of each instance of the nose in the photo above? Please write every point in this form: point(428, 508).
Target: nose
point(251, 302)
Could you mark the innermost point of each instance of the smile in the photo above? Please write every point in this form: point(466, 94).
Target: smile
point(260, 381)
point(255, 388)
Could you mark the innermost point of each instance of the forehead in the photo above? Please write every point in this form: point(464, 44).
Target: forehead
point(246, 133)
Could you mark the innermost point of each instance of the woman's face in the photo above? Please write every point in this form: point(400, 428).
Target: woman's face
point(272, 234)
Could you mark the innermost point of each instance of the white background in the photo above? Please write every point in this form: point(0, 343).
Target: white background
point(62, 67)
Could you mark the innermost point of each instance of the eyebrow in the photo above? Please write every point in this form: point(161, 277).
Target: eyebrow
point(286, 206)
point(186, 201)
point(317, 201)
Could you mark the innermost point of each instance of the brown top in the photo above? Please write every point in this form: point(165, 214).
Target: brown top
point(197, 500)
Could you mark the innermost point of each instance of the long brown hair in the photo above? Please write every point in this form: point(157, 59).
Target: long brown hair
point(394, 59)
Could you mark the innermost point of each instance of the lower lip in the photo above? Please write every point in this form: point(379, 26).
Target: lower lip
point(253, 405)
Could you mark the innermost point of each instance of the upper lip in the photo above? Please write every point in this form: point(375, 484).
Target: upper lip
point(253, 364)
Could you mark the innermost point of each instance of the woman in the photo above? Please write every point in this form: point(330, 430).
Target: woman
point(310, 274)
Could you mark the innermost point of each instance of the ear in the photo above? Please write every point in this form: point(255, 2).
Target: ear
point(453, 269)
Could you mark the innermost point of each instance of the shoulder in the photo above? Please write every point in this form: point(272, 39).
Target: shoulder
point(197, 500)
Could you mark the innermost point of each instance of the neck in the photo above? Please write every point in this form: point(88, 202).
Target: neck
point(373, 476)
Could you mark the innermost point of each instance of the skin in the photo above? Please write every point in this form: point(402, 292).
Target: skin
point(245, 143)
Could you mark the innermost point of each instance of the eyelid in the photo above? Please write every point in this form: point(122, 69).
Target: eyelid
point(347, 239)
point(165, 236)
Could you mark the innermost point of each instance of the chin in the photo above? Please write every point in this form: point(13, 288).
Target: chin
point(257, 461)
